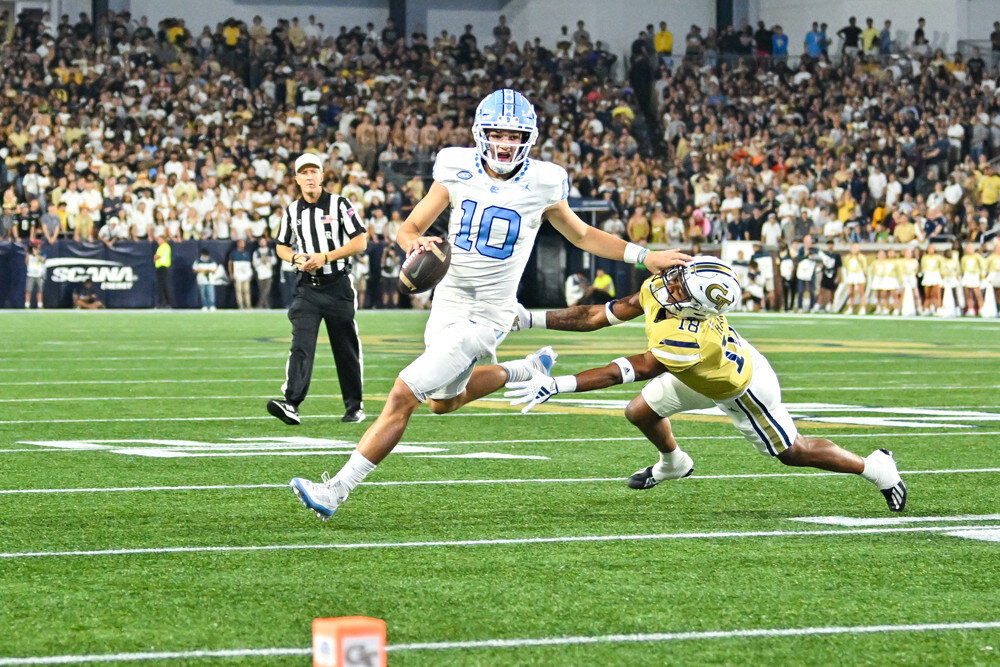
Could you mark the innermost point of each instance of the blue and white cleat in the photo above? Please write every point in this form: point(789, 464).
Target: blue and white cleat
point(323, 498)
point(543, 359)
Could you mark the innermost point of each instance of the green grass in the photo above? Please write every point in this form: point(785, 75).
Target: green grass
point(120, 371)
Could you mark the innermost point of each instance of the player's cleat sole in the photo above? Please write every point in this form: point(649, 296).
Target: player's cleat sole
point(285, 412)
point(895, 497)
point(546, 357)
point(643, 479)
point(321, 498)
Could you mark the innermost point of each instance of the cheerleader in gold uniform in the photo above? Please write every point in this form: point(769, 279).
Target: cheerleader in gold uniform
point(856, 277)
point(973, 271)
point(930, 266)
point(950, 267)
point(884, 282)
point(907, 267)
point(993, 271)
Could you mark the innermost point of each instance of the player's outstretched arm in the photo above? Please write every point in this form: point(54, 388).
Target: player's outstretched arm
point(579, 318)
point(602, 244)
point(410, 235)
point(541, 387)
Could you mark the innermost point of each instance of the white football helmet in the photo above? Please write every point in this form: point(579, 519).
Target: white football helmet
point(705, 288)
point(505, 109)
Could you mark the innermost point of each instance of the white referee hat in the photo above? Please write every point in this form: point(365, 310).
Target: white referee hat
point(307, 160)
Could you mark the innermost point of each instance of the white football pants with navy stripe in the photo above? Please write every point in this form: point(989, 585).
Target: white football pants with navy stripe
point(757, 413)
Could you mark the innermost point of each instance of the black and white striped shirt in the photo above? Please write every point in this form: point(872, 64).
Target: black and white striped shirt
point(321, 227)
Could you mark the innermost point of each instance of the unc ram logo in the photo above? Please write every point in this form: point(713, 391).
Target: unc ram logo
point(716, 293)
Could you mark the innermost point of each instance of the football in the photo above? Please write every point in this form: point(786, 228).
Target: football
point(424, 269)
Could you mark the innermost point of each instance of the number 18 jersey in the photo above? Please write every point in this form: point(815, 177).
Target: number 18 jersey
point(706, 355)
point(492, 230)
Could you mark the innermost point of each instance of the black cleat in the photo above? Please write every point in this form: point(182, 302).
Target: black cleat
point(354, 416)
point(895, 497)
point(642, 479)
point(284, 411)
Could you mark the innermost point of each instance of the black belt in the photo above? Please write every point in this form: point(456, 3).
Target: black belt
point(319, 279)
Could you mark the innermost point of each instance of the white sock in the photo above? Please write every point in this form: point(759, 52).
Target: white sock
point(880, 470)
point(670, 463)
point(517, 370)
point(354, 471)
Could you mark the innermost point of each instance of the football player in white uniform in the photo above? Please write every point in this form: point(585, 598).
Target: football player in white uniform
point(498, 198)
point(696, 360)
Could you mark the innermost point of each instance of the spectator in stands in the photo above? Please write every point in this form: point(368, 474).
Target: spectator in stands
point(851, 36)
point(813, 43)
point(885, 41)
point(663, 42)
point(995, 44)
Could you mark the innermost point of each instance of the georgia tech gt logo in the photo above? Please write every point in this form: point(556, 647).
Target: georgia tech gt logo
point(716, 293)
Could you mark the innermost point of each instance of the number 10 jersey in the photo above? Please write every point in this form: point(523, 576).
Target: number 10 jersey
point(492, 230)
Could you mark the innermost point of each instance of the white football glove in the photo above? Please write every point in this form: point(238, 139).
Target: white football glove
point(522, 318)
point(535, 391)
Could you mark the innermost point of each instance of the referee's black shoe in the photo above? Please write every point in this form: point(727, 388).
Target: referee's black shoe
point(284, 411)
point(354, 416)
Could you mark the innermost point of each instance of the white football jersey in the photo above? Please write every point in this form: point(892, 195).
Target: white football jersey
point(492, 231)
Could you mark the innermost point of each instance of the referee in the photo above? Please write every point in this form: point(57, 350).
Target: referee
point(318, 235)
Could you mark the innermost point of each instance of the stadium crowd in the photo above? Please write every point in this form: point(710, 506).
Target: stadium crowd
point(119, 130)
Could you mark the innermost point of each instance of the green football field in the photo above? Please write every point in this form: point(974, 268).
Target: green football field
point(145, 511)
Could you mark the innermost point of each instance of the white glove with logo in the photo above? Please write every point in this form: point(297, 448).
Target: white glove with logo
point(522, 319)
point(535, 391)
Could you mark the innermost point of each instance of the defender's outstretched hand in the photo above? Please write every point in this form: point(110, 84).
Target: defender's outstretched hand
point(535, 391)
point(659, 260)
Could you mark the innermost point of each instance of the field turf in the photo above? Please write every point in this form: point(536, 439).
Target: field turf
point(145, 512)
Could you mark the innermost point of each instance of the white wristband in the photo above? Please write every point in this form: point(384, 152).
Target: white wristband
point(612, 320)
point(565, 384)
point(635, 253)
point(628, 372)
point(538, 319)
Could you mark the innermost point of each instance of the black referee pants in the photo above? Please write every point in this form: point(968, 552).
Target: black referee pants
point(332, 303)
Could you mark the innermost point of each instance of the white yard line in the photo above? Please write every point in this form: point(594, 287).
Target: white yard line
point(254, 418)
point(169, 381)
point(525, 480)
point(167, 398)
point(519, 642)
point(513, 541)
point(892, 521)
point(533, 441)
point(882, 388)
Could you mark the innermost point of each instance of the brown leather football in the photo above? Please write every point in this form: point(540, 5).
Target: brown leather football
point(424, 269)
